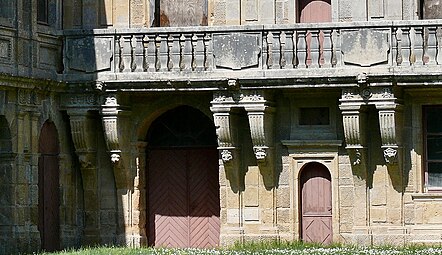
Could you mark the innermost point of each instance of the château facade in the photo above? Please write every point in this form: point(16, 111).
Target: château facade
point(200, 123)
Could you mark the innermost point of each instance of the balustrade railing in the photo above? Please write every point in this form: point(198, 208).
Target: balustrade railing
point(267, 47)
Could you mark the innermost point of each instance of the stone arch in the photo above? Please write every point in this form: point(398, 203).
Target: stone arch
point(315, 196)
point(160, 107)
point(182, 160)
point(48, 187)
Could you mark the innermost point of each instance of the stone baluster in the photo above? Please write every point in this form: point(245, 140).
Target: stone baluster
point(288, 50)
point(405, 46)
point(301, 51)
point(337, 54)
point(208, 52)
point(145, 44)
point(138, 63)
point(265, 53)
point(276, 50)
point(432, 46)
point(418, 46)
point(163, 49)
point(327, 45)
point(127, 53)
point(175, 52)
point(187, 52)
point(314, 48)
point(151, 56)
point(198, 50)
point(270, 59)
point(120, 54)
point(394, 46)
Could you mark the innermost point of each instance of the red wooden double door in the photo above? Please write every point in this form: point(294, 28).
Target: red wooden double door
point(316, 204)
point(183, 197)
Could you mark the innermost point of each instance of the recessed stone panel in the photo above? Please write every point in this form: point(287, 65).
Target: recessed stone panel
point(90, 54)
point(236, 50)
point(365, 47)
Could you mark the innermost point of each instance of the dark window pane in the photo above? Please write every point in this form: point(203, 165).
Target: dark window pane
point(7, 8)
point(434, 147)
point(42, 11)
point(435, 174)
point(434, 120)
point(314, 116)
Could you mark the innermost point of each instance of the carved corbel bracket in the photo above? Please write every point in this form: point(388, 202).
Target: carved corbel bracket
point(223, 117)
point(225, 120)
point(260, 114)
point(109, 111)
point(390, 123)
point(353, 119)
point(84, 141)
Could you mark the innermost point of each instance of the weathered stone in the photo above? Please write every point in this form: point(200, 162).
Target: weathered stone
point(365, 47)
point(236, 51)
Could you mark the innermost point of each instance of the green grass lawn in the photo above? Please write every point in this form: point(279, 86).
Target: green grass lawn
point(271, 248)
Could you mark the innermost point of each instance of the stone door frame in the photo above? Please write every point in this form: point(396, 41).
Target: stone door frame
point(302, 153)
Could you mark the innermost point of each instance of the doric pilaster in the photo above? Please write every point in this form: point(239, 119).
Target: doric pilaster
point(260, 110)
point(84, 140)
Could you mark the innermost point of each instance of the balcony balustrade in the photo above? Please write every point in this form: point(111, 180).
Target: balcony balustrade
point(325, 53)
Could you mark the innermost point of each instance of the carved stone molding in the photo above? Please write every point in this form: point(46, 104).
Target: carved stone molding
point(109, 111)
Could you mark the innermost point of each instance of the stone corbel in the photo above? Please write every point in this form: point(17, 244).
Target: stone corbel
point(223, 117)
point(109, 111)
point(260, 114)
point(84, 141)
point(224, 120)
point(390, 123)
point(353, 118)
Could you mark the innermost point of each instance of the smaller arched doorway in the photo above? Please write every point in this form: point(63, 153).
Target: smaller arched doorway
point(182, 177)
point(48, 187)
point(316, 204)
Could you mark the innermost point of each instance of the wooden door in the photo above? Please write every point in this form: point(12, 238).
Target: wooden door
point(316, 204)
point(175, 13)
point(48, 191)
point(183, 198)
point(314, 11)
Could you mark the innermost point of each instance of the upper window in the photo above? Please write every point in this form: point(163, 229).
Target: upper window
point(180, 13)
point(42, 11)
point(7, 9)
point(314, 116)
point(433, 147)
point(430, 9)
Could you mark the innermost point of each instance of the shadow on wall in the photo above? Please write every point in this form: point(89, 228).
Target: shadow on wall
point(85, 56)
point(7, 243)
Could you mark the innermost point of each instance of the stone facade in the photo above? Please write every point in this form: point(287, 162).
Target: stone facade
point(350, 95)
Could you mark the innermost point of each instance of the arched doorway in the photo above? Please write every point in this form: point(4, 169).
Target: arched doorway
point(48, 187)
point(183, 186)
point(316, 204)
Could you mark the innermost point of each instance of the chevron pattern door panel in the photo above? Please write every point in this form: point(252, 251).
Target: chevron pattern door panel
point(183, 198)
point(316, 204)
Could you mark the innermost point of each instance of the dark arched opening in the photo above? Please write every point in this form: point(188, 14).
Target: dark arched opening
point(48, 187)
